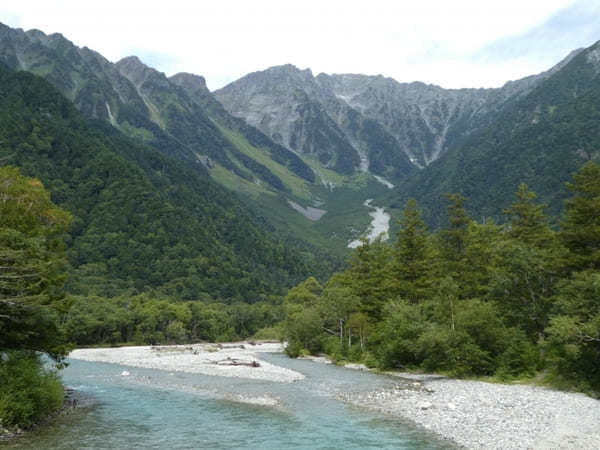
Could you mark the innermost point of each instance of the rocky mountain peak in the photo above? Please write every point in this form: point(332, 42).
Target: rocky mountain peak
point(593, 56)
point(138, 73)
point(131, 64)
point(195, 84)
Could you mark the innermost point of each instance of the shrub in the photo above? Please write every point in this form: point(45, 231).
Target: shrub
point(520, 356)
point(28, 392)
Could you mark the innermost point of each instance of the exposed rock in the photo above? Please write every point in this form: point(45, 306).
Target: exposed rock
point(309, 212)
point(425, 405)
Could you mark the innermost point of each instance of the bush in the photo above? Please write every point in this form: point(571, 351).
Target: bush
point(28, 392)
point(454, 352)
point(273, 333)
point(370, 360)
point(294, 349)
point(334, 348)
point(520, 356)
point(398, 335)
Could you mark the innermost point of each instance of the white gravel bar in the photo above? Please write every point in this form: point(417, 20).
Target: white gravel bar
point(226, 360)
point(479, 415)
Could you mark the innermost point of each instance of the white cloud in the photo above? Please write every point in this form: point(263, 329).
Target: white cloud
point(432, 41)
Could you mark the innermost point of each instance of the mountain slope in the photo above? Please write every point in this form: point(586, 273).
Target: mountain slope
point(427, 121)
point(291, 107)
point(195, 87)
point(393, 127)
point(142, 220)
point(142, 103)
point(541, 140)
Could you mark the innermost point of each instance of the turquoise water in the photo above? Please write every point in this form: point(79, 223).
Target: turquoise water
point(153, 409)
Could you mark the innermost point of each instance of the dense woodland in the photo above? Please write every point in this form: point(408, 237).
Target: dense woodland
point(107, 241)
point(143, 221)
point(472, 299)
point(110, 241)
point(32, 301)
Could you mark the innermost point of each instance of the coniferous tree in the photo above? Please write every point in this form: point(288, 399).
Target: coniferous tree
point(527, 267)
point(368, 276)
point(580, 231)
point(412, 253)
point(528, 222)
point(453, 241)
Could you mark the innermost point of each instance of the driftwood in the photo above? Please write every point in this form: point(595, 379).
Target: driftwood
point(237, 362)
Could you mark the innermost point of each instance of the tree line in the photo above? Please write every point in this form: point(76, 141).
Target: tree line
point(472, 299)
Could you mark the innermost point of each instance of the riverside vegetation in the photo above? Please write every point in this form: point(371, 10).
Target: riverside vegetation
point(143, 237)
point(472, 299)
point(158, 252)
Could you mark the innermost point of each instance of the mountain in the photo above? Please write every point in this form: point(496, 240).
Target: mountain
point(195, 88)
point(180, 118)
point(540, 139)
point(427, 121)
point(141, 102)
point(142, 220)
point(291, 107)
point(306, 151)
point(393, 127)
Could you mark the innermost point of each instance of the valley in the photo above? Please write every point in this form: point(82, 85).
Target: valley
point(147, 222)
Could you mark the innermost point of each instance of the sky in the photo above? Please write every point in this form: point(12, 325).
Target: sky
point(454, 44)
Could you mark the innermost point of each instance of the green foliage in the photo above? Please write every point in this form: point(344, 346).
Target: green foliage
point(32, 265)
point(539, 139)
point(142, 221)
point(154, 319)
point(411, 270)
point(367, 276)
point(580, 231)
point(403, 325)
point(519, 357)
point(574, 333)
point(470, 300)
point(28, 392)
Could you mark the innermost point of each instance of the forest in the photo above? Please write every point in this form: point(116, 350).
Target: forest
point(518, 300)
point(105, 241)
point(512, 301)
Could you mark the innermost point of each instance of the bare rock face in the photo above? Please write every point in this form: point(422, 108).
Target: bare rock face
point(392, 127)
point(369, 122)
point(194, 84)
point(297, 111)
point(285, 104)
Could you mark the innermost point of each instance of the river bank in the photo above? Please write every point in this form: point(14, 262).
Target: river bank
point(470, 414)
point(240, 359)
point(70, 402)
point(480, 415)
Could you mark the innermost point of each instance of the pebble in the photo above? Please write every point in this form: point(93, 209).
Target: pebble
point(479, 415)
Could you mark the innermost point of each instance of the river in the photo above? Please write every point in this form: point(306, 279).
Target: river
point(154, 409)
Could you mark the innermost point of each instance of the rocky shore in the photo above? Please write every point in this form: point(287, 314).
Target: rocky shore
point(240, 359)
point(479, 415)
point(470, 414)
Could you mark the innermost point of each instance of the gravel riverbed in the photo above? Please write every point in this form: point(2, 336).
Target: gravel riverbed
point(479, 415)
point(237, 359)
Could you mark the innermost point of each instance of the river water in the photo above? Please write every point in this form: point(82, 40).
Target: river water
point(154, 409)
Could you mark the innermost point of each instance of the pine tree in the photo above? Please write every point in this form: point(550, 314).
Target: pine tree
point(454, 239)
point(410, 268)
point(528, 223)
point(580, 231)
point(527, 268)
